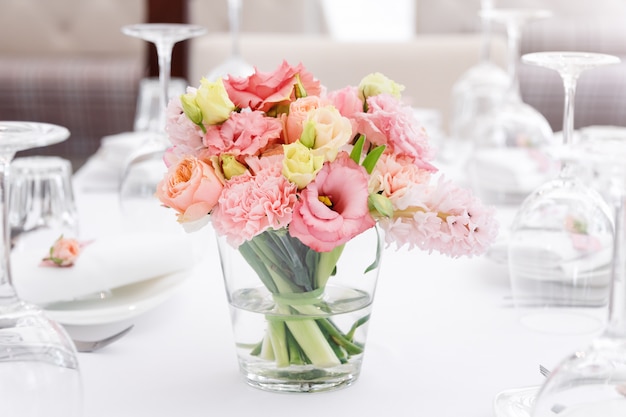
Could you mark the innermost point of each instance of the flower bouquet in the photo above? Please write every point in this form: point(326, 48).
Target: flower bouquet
point(292, 178)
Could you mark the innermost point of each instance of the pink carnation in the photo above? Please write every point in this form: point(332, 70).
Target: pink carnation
point(243, 133)
point(182, 132)
point(251, 204)
point(264, 90)
point(389, 122)
point(394, 176)
point(333, 208)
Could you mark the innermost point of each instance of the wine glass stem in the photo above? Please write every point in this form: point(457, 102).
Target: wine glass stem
point(617, 304)
point(164, 53)
point(485, 54)
point(234, 18)
point(569, 84)
point(7, 292)
point(513, 40)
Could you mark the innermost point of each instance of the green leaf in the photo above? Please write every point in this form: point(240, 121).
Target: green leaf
point(379, 248)
point(355, 155)
point(372, 157)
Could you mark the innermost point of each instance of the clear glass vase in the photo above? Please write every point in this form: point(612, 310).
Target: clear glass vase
point(300, 317)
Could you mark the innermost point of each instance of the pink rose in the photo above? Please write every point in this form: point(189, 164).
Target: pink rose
point(298, 114)
point(63, 252)
point(348, 102)
point(333, 208)
point(264, 90)
point(251, 204)
point(245, 133)
point(389, 122)
point(190, 187)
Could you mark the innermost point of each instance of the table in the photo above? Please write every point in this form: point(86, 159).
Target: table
point(443, 341)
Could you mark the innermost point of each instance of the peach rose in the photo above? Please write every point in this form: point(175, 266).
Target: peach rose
point(332, 131)
point(298, 115)
point(192, 188)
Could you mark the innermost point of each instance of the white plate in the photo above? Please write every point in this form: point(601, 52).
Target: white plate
point(516, 402)
point(119, 304)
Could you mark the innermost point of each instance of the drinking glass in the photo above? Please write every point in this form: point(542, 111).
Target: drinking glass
point(39, 373)
point(477, 91)
point(234, 65)
point(507, 161)
point(561, 239)
point(592, 381)
point(144, 167)
point(41, 202)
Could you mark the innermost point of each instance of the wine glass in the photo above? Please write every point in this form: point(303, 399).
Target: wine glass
point(507, 162)
point(592, 381)
point(39, 373)
point(561, 239)
point(234, 65)
point(477, 91)
point(144, 167)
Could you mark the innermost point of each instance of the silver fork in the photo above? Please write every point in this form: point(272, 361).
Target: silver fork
point(543, 370)
point(91, 346)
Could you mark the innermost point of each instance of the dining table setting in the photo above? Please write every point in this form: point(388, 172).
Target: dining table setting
point(444, 338)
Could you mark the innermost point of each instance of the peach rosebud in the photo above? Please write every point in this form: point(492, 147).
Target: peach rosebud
point(298, 114)
point(299, 165)
point(377, 83)
point(213, 101)
point(63, 252)
point(190, 187)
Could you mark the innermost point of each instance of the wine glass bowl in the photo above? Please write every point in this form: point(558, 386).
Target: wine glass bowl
point(39, 373)
point(561, 239)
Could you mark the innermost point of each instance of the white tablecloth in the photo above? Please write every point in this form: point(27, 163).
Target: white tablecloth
point(443, 341)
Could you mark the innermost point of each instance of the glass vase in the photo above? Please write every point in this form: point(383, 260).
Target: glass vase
point(300, 317)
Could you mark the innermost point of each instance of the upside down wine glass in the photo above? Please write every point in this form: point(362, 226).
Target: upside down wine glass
point(478, 90)
point(507, 161)
point(145, 167)
point(234, 65)
point(39, 373)
point(592, 381)
point(561, 239)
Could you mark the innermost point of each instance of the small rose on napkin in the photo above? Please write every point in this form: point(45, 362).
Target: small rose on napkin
point(63, 252)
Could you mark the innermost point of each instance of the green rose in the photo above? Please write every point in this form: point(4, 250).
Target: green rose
point(299, 165)
point(213, 101)
point(377, 83)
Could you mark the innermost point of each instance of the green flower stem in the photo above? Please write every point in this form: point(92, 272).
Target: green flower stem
point(313, 343)
point(278, 338)
point(327, 264)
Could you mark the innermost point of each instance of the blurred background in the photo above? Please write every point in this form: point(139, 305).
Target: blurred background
point(67, 62)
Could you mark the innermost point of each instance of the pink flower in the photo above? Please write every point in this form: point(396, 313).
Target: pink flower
point(441, 217)
point(264, 90)
point(245, 133)
point(299, 111)
point(348, 102)
point(333, 208)
point(190, 187)
point(63, 252)
point(251, 204)
point(389, 122)
point(394, 176)
point(182, 132)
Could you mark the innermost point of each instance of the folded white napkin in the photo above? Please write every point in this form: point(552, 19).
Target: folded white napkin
point(103, 264)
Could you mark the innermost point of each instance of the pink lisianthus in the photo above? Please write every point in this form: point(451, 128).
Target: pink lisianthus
point(63, 253)
point(264, 90)
point(191, 187)
point(441, 217)
point(182, 132)
point(389, 122)
point(333, 208)
point(251, 204)
point(245, 133)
